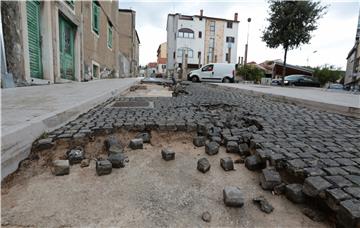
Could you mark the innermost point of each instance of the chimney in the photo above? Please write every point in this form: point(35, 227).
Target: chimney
point(201, 12)
point(236, 17)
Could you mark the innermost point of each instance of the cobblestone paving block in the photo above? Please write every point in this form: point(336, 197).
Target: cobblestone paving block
point(199, 141)
point(269, 178)
point(203, 165)
point(61, 167)
point(253, 162)
point(103, 167)
point(212, 148)
point(44, 144)
point(232, 147)
point(145, 136)
point(167, 154)
point(349, 213)
point(334, 197)
point(233, 197)
point(75, 156)
point(227, 163)
point(117, 160)
point(313, 186)
point(136, 144)
point(294, 193)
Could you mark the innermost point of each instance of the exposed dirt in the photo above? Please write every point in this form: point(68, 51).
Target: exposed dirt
point(147, 192)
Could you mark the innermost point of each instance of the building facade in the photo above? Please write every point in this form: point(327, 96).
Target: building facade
point(129, 43)
point(198, 40)
point(161, 58)
point(61, 41)
point(352, 74)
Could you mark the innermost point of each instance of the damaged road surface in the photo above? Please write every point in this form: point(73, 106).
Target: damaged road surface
point(159, 183)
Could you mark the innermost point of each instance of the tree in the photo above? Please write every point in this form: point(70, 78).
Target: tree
point(250, 72)
point(328, 73)
point(291, 24)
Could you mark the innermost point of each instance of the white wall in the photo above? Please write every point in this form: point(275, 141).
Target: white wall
point(234, 33)
point(196, 43)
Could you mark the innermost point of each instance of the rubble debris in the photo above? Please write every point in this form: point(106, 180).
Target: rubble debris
point(254, 163)
point(103, 167)
point(112, 141)
point(145, 136)
point(227, 163)
point(269, 178)
point(61, 167)
point(263, 204)
point(294, 193)
point(117, 160)
point(167, 154)
point(212, 148)
point(232, 147)
point(199, 141)
point(85, 163)
point(203, 165)
point(233, 197)
point(206, 216)
point(314, 215)
point(279, 189)
point(75, 156)
point(136, 144)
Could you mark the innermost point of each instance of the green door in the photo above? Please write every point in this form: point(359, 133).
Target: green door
point(66, 40)
point(34, 38)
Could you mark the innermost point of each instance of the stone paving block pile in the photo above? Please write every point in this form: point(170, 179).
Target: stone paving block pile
point(320, 150)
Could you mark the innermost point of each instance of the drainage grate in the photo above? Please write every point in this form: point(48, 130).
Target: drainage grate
point(132, 104)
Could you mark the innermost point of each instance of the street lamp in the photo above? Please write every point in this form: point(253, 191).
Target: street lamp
point(307, 60)
point(247, 41)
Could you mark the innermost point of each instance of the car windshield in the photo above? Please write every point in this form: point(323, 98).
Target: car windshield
point(292, 77)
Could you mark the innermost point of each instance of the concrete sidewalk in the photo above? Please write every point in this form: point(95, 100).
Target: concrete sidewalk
point(338, 102)
point(28, 112)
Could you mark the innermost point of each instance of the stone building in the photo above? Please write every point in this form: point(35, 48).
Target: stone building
point(202, 39)
point(60, 41)
point(161, 58)
point(128, 44)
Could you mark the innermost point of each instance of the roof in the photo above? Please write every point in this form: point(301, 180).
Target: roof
point(276, 62)
point(152, 65)
point(127, 10)
point(213, 18)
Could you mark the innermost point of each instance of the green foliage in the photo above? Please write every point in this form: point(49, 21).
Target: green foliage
point(291, 23)
point(250, 72)
point(328, 73)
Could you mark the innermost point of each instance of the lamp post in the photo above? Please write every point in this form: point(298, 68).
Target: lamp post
point(247, 41)
point(307, 60)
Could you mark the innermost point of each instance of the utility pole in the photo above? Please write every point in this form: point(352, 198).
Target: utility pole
point(229, 54)
point(247, 41)
point(199, 57)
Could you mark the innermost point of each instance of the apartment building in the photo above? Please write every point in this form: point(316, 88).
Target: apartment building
point(352, 74)
point(161, 58)
point(61, 41)
point(199, 39)
point(129, 43)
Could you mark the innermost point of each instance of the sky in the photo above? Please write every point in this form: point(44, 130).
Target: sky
point(330, 43)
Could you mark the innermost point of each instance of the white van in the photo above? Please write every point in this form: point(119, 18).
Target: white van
point(214, 72)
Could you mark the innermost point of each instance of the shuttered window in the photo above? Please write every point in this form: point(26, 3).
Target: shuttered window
point(95, 16)
point(109, 41)
point(34, 38)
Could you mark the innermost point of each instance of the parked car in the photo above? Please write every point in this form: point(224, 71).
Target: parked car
point(301, 80)
point(336, 86)
point(213, 72)
point(276, 81)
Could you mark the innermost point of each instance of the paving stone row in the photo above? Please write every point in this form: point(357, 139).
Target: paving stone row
point(322, 149)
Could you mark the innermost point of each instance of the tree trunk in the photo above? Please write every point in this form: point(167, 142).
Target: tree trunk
point(284, 67)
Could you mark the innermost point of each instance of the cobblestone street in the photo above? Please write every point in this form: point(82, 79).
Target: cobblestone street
point(319, 150)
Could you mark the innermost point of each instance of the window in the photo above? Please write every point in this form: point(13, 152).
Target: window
point(70, 3)
point(229, 24)
point(180, 52)
point(199, 54)
point(163, 66)
point(186, 33)
point(200, 34)
point(212, 28)
point(227, 57)
point(95, 16)
point(207, 68)
point(230, 39)
point(212, 42)
point(109, 40)
point(95, 71)
point(174, 55)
